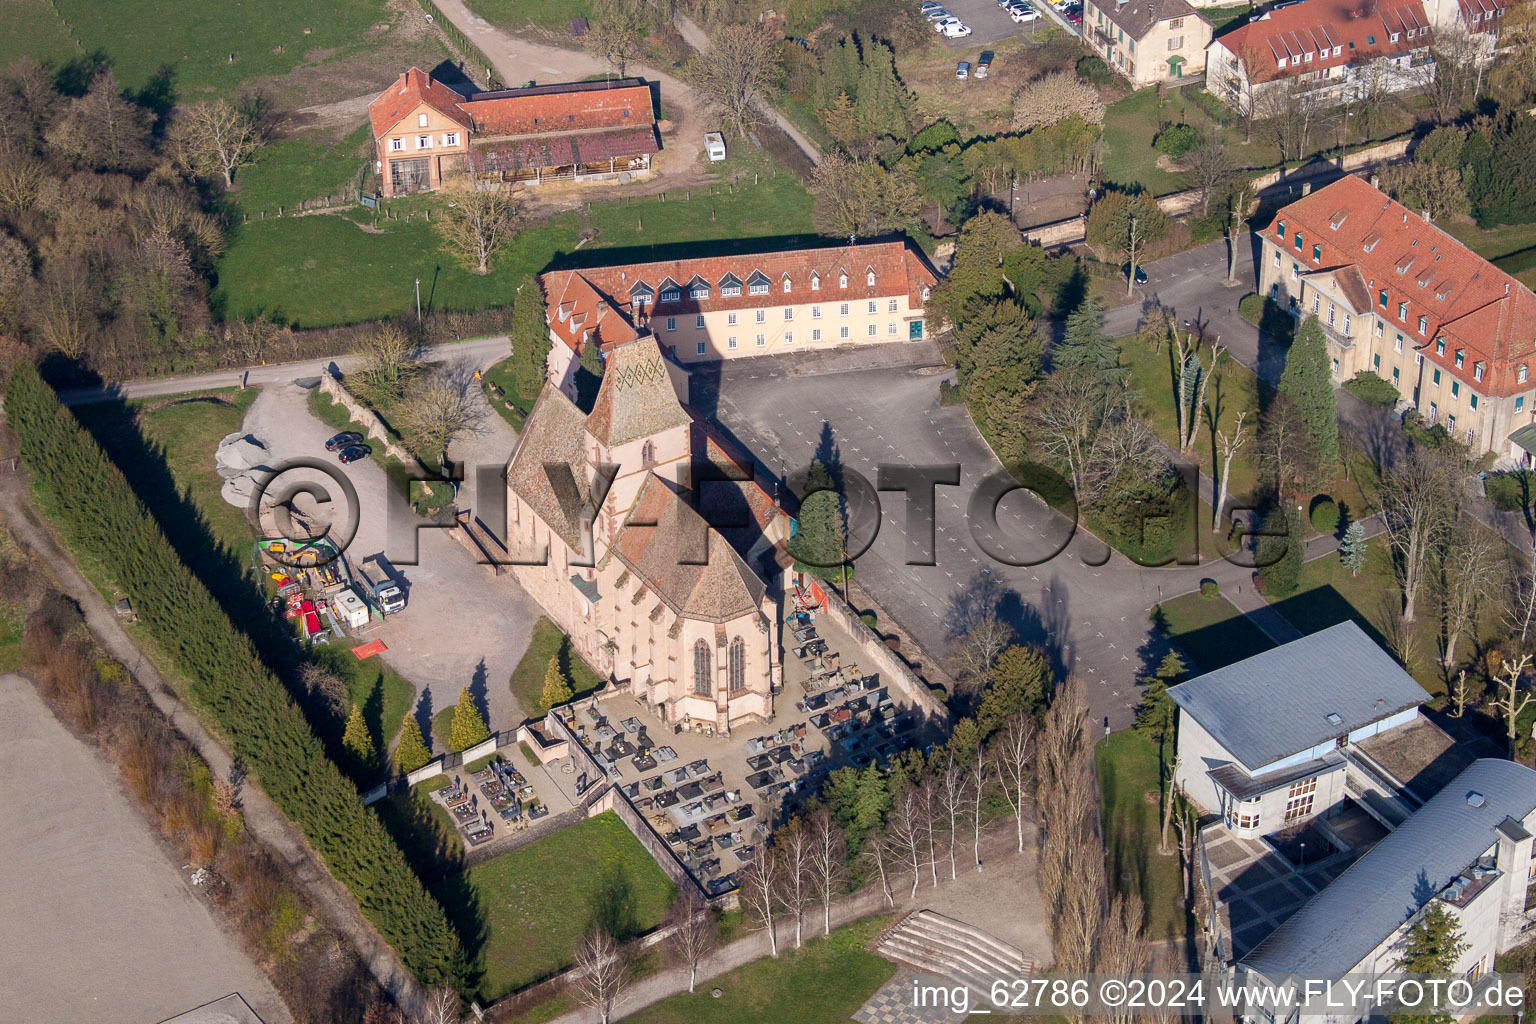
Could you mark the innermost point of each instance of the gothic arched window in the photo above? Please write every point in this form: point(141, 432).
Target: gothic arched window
point(701, 669)
point(738, 665)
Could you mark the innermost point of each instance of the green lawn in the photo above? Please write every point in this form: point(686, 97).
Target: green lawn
point(1328, 595)
point(383, 694)
point(501, 375)
point(822, 983)
point(537, 900)
point(1210, 631)
point(1234, 389)
point(1129, 128)
point(1490, 243)
point(528, 678)
point(1130, 789)
point(193, 42)
point(555, 15)
point(323, 270)
point(1223, 17)
point(178, 435)
point(290, 171)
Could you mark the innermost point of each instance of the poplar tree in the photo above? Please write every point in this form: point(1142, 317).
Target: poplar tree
point(530, 338)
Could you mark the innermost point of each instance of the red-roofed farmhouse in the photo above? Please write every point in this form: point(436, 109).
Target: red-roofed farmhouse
point(426, 133)
point(1399, 297)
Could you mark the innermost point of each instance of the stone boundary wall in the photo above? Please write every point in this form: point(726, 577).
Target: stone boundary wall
point(1070, 231)
point(373, 427)
point(872, 651)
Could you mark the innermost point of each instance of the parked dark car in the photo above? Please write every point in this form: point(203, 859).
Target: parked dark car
point(1141, 273)
point(354, 452)
point(345, 439)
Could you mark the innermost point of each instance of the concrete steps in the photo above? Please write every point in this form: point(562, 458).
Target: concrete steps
point(936, 944)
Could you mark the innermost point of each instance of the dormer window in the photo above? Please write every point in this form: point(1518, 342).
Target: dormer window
point(698, 289)
point(1393, 37)
point(1520, 374)
point(1439, 347)
point(641, 295)
point(671, 292)
point(1461, 357)
point(1298, 241)
point(1317, 254)
point(869, 278)
point(1281, 63)
point(926, 293)
point(730, 286)
point(1477, 371)
point(1424, 329)
point(1306, 58)
point(815, 283)
point(1335, 51)
point(842, 280)
point(786, 284)
point(1280, 230)
point(757, 284)
point(1370, 40)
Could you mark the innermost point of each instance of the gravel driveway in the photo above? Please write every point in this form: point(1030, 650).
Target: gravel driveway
point(461, 626)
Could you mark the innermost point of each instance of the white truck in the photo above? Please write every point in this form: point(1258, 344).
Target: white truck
point(386, 593)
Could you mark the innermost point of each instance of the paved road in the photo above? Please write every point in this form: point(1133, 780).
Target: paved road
point(1193, 284)
point(1087, 606)
point(481, 352)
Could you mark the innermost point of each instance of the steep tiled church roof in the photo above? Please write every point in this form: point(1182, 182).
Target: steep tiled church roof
point(551, 439)
point(636, 399)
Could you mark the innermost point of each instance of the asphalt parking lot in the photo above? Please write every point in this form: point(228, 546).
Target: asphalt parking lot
point(988, 22)
point(1088, 609)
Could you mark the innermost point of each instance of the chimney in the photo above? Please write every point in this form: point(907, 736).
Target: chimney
point(1376, 181)
point(1306, 188)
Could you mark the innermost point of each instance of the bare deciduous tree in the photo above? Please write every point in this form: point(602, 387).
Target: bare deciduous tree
point(1123, 949)
point(976, 654)
point(761, 885)
point(390, 358)
point(976, 786)
point(877, 848)
point(952, 800)
point(1194, 378)
point(439, 1006)
point(601, 972)
point(1071, 859)
point(742, 60)
point(1291, 114)
point(1208, 167)
point(1228, 446)
point(441, 408)
point(1012, 753)
point(795, 851)
point(928, 797)
point(1511, 702)
point(906, 828)
point(1418, 509)
point(481, 219)
point(829, 850)
point(617, 35)
point(1467, 571)
point(1519, 604)
point(216, 137)
point(1461, 695)
point(694, 931)
point(1450, 82)
point(1235, 231)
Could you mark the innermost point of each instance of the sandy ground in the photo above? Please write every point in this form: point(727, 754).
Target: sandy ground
point(462, 626)
point(98, 925)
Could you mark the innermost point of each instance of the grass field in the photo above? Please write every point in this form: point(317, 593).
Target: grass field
point(1130, 787)
point(290, 171)
point(528, 678)
point(1129, 128)
point(1211, 632)
point(501, 375)
point(193, 43)
point(1234, 389)
point(323, 270)
point(822, 983)
point(554, 15)
point(1328, 595)
point(383, 694)
point(178, 435)
point(537, 900)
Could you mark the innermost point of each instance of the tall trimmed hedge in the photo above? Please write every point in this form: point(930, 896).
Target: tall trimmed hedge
point(103, 516)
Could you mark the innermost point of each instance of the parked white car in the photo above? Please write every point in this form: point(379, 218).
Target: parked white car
point(954, 29)
point(1023, 14)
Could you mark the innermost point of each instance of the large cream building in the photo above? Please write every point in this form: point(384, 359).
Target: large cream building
point(650, 593)
point(729, 307)
point(1399, 297)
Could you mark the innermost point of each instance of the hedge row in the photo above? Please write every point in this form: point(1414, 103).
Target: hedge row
point(103, 516)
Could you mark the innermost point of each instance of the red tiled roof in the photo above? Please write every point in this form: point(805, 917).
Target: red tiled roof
point(1466, 301)
point(561, 150)
point(1358, 30)
point(1489, 14)
point(603, 294)
point(410, 90)
point(561, 107)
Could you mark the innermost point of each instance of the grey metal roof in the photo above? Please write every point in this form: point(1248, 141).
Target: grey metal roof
point(1276, 704)
point(1243, 786)
point(1525, 437)
point(1340, 926)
